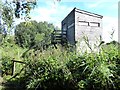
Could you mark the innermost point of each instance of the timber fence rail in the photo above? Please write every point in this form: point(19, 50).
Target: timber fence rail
point(13, 63)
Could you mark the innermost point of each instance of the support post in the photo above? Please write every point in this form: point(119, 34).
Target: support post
point(13, 67)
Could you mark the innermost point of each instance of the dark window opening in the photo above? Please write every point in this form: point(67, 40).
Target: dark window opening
point(94, 24)
point(83, 23)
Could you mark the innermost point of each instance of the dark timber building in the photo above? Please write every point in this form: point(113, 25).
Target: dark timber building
point(79, 24)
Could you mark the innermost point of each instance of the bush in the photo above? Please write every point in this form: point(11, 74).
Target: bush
point(6, 66)
point(30, 33)
point(8, 51)
point(68, 71)
point(49, 71)
point(53, 69)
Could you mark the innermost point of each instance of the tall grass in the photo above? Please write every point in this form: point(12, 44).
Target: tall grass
point(9, 51)
point(59, 69)
point(53, 69)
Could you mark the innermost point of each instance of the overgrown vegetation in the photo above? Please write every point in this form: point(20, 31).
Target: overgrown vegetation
point(49, 68)
point(60, 69)
point(29, 34)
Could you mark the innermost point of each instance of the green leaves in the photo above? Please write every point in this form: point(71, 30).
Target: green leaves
point(84, 72)
point(53, 69)
point(29, 34)
point(7, 16)
point(23, 7)
point(6, 66)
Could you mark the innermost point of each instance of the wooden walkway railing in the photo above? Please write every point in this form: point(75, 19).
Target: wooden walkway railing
point(58, 36)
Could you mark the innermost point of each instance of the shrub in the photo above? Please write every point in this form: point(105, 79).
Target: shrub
point(49, 71)
point(68, 71)
point(6, 66)
point(53, 69)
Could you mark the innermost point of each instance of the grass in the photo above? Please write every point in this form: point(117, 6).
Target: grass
point(45, 69)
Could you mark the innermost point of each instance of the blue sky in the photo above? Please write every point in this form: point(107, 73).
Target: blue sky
point(54, 12)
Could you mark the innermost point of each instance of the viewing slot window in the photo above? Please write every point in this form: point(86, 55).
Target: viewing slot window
point(94, 24)
point(83, 23)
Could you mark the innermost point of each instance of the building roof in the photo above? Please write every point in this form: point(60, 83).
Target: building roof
point(84, 12)
point(88, 13)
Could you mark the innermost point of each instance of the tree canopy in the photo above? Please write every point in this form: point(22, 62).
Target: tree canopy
point(30, 34)
point(11, 9)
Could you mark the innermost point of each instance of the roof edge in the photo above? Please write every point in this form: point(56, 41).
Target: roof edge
point(88, 13)
point(69, 13)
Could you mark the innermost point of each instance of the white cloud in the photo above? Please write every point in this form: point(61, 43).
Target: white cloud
point(110, 24)
point(89, 0)
point(43, 14)
point(115, 6)
point(53, 13)
point(103, 4)
point(96, 4)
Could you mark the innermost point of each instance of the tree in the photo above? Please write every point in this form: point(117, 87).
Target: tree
point(30, 34)
point(22, 7)
point(11, 9)
point(7, 15)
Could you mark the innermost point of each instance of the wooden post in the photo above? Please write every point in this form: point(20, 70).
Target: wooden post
point(13, 67)
point(13, 63)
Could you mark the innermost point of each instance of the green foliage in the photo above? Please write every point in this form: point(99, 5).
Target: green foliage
point(49, 70)
point(24, 7)
point(0, 3)
point(28, 34)
point(7, 15)
point(8, 51)
point(53, 69)
point(60, 69)
point(1, 38)
point(20, 7)
point(6, 66)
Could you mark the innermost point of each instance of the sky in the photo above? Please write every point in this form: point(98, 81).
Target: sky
point(54, 12)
